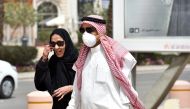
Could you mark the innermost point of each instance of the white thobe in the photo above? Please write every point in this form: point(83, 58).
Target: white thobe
point(99, 89)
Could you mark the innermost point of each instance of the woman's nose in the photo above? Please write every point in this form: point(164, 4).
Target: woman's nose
point(56, 46)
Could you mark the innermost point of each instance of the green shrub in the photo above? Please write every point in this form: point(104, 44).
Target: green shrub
point(79, 40)
point(43, 35)
point(18, 55)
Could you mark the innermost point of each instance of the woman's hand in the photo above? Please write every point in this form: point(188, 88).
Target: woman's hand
point(62, 91)
point(46, 51)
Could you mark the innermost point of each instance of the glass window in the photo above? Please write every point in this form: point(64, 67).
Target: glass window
point(157, 18)
point(46, 11)
point(152, 25)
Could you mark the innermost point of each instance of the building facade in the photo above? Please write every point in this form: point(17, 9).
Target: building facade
point(54, 14)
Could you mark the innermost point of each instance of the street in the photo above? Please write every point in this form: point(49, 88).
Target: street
point(145, 80)
point(19, 98)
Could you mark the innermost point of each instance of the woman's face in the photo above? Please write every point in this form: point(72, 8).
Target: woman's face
point(58, 45)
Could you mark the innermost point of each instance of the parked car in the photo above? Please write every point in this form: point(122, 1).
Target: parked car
point(8, 79)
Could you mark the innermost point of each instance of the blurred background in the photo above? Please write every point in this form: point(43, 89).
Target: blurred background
point(25, 26)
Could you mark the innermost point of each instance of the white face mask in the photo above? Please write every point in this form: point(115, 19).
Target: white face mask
point(89, 39)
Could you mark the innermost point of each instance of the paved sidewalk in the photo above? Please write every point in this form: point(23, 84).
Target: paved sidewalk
point(25, 75)
point(140, 69)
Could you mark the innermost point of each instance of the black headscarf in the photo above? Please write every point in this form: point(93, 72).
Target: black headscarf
point(61, 67)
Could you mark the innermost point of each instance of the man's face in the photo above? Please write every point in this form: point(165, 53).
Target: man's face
point(93, 32)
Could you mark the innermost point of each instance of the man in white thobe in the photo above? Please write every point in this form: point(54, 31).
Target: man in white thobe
point(97, 85)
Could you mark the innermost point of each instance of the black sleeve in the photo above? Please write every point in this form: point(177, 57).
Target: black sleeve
point(42, 78)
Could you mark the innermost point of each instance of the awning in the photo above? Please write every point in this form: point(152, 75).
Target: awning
point(57, 21)
point(43, 22)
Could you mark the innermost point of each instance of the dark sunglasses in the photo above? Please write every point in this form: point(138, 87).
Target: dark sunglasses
point(59, 43)
point(87, 29)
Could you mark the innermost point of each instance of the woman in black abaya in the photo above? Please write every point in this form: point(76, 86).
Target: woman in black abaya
point(56, 74)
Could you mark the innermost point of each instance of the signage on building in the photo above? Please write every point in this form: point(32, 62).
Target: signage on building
point(152, 25)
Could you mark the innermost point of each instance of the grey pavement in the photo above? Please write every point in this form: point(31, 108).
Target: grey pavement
point(25, 75)
point(139, 69)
